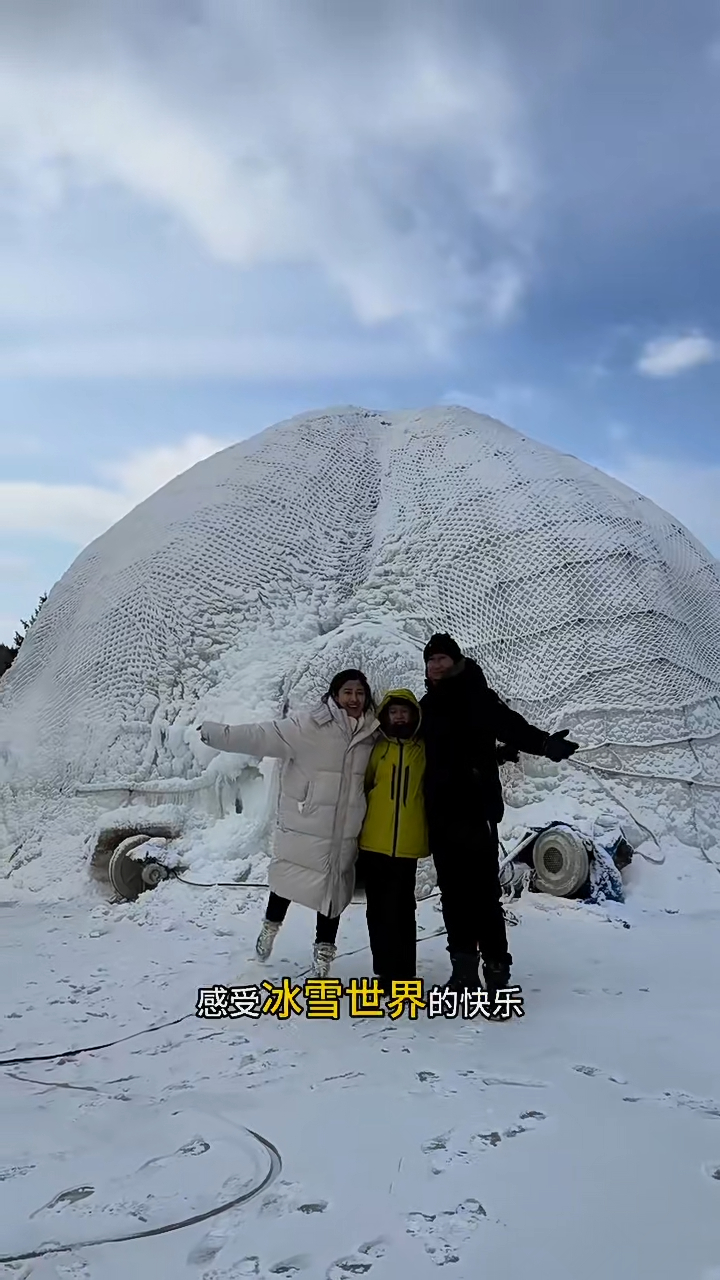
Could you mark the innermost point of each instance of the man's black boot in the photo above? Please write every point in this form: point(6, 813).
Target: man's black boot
point(465, 974)
point(496, 974)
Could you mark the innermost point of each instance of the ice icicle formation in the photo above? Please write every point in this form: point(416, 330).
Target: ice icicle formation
point(344, 538)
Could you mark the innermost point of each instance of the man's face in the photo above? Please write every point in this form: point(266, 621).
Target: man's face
point(438, 666)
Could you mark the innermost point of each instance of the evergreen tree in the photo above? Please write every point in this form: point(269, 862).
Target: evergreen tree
point(20, 636)
point(8, 653)
point(7, 657)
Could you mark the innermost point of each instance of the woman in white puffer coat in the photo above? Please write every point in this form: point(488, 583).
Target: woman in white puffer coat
point(324, 754)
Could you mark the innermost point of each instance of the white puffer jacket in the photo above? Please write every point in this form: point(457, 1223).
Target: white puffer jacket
point(322, 798)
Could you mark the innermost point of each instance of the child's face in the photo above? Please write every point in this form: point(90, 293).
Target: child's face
point(399, 715)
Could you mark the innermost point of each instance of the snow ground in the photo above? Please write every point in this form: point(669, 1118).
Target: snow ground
point(582, 1139)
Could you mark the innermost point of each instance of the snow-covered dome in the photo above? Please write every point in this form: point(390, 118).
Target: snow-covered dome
point(345, 538)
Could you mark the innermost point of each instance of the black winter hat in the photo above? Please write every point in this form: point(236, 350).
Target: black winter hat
point(442, 643)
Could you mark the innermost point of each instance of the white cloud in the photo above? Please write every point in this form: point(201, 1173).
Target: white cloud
point(668, 356)
point(690, 491)
point(251, 358)
point(147, 470)
point(74, 513)
point(79, 513)
point(388, 153)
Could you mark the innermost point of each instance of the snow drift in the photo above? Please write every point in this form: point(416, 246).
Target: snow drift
point(345, 538)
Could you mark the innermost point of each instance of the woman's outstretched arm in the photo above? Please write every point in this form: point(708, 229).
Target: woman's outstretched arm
point(273, 738)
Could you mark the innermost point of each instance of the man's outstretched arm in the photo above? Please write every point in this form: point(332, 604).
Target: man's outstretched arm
point(514, 730)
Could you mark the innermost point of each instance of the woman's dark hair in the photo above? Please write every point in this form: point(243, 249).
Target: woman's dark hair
point(343, 677)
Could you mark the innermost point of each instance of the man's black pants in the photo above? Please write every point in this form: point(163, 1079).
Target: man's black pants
point(466, 856)
point(390, 913)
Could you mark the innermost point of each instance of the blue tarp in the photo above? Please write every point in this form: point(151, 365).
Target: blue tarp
point(604, 881)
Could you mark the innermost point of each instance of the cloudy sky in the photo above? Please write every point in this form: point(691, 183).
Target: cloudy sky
point(218, 213)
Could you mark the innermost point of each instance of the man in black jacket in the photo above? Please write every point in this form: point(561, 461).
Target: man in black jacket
point(463, 720)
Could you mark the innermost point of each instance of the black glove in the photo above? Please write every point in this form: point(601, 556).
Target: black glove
point(556, 748)
point(505, 754)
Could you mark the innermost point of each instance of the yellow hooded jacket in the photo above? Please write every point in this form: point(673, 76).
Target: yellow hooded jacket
point(395, 822)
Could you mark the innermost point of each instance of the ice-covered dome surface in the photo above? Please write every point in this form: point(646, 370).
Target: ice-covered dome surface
point(345, 538)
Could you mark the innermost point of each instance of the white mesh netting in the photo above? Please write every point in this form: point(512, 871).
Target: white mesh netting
point(346, 538)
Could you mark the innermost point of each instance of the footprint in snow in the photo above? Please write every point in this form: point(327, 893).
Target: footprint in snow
point(359, 1263)
point(214, 1241)
point(442, 1155)
point(65, 1197)
point(515, 1084)
point(596, 1071)
point(283, 1198)
point(436, 1144)
point(267, 1067)
point(15, 1171)
point(443, 1234)
point(705, 1106)
point(197, 1146)
point(494, 1138)
point(249, 1266)
point(290, 1266)
point(345, 1075)
point(435, 1083)
point(73, 1269)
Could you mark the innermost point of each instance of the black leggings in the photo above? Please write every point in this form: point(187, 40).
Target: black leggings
point(325, 929)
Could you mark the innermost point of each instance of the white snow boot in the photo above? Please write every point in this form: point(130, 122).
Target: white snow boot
point(323, 955)
point(266, 939)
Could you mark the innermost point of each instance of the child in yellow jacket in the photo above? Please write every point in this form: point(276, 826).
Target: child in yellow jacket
point(394, 836)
